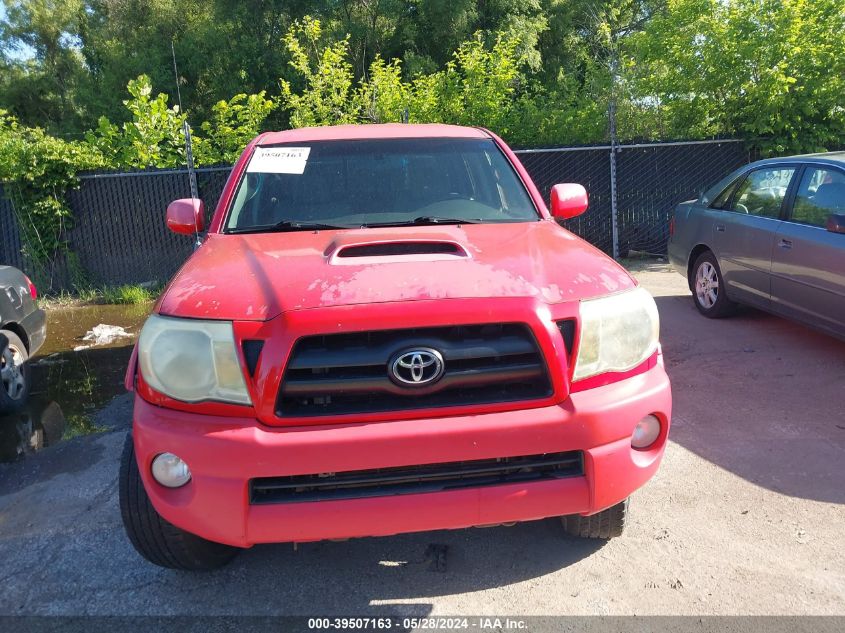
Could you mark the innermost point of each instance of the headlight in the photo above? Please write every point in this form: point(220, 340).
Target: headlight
point(191, 360)
point(617, 333)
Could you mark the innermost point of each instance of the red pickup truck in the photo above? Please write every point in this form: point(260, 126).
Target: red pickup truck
point(385, 330)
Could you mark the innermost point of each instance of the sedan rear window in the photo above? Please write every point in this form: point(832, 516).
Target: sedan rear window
point(352, 183)
point(820, 194)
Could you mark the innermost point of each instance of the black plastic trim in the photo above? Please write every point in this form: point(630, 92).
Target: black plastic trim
point(425, 478)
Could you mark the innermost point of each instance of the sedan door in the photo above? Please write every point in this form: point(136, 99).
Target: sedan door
point(744, 235)
point(808, 264)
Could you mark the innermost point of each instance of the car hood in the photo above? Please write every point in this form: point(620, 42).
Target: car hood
point(258, 276)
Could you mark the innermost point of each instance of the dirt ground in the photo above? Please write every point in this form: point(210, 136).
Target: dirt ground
point(745, 516)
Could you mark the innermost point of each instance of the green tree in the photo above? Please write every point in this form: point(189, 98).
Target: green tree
point(764, 69)
point(43, 89)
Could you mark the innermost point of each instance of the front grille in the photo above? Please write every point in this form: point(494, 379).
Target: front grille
point(404, 480)
point(339, 374)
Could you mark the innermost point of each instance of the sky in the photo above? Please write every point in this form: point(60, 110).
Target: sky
point(24, 52)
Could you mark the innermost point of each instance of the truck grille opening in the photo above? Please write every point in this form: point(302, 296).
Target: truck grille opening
point(340, 374)
point(404, 480)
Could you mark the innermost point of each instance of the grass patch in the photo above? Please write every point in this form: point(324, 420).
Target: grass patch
point(128, 294)
point(79, 425)
point(131, 294)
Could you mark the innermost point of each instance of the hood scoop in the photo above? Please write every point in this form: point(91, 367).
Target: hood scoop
point(397, 251)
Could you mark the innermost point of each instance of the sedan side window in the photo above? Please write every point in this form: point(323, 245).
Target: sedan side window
point(762, 192)
point(820, 194)
point(724, 198)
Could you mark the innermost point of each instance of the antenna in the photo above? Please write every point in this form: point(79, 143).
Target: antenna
point(186, 130)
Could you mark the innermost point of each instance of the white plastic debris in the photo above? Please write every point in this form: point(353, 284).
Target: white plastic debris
point(103, 334)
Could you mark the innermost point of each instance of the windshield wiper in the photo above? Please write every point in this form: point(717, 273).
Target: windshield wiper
point(422, 221)
point(288, 225)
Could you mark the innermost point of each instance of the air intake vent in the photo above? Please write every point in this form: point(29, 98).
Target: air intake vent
point(393, 249)
point(403, 480)
point(567, 330)
point(252, 350)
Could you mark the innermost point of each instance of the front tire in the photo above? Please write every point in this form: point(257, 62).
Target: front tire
point(604, 525)
point(708, 288)
point(14, 373)
point(155, 539)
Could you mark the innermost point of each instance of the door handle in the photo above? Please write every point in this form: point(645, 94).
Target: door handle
point(785, 243)
point(720, 228)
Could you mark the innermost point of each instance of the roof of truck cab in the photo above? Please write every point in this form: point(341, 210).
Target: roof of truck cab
point(370, 131)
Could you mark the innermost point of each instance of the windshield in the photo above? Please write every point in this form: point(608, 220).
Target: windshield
point(386, 182)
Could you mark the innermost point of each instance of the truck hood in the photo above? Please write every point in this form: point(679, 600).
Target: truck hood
point(256, 277)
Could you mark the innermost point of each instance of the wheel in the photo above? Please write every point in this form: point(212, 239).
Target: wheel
point(708, 288)
point(606, 524)
point(155, 539)
point(14, 372)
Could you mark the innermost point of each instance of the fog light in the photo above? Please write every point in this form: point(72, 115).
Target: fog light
point(169, 470)
point(646, 432)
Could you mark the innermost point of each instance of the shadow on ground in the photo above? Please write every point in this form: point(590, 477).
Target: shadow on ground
point(88, 550)
point(758, 395)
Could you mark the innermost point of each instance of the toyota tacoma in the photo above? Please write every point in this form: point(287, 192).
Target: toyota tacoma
point(386, 330)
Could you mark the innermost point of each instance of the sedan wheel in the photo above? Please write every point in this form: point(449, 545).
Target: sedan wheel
point(11, 372)
point(708, 287)
point(14, 373)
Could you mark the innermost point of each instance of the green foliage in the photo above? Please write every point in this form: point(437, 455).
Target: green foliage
point(130, 294)
point(674, 68)
point(327, 74)
point(233, 124)
point(767, 69)
point(154, 136)
point(534, 71)
point(46, 88)
point(38, 169)
point(383, 97)
point(477, 87)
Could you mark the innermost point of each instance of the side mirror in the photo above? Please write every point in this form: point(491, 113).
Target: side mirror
point(568, 200)
point(836, 223)
point(186, 216)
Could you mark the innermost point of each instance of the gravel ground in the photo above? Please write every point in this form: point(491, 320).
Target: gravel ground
point(745, 516)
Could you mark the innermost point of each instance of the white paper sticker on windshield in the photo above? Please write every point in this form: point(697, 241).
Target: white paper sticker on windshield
point(279, 160)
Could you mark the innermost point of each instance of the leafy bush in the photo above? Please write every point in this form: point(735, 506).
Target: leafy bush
point(38, 169)
point(153, 138)
point(327, 73)
point(233, 124)
point(477, 87)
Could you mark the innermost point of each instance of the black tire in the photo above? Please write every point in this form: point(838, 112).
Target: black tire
point(13, 399)
point(155, 539)
point(606, 524)
point(702, 296)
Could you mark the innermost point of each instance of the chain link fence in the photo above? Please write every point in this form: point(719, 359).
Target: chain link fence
point(650, 180)
point(119, 234)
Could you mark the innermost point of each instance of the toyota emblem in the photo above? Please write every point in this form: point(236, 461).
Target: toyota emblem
point(416, 367)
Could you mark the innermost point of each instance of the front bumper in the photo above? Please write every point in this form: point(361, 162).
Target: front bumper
point(224, 453)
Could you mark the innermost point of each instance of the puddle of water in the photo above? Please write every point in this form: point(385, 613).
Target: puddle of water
point(69, 386)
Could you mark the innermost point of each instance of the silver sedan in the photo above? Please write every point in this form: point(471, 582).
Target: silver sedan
point(770, 235)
